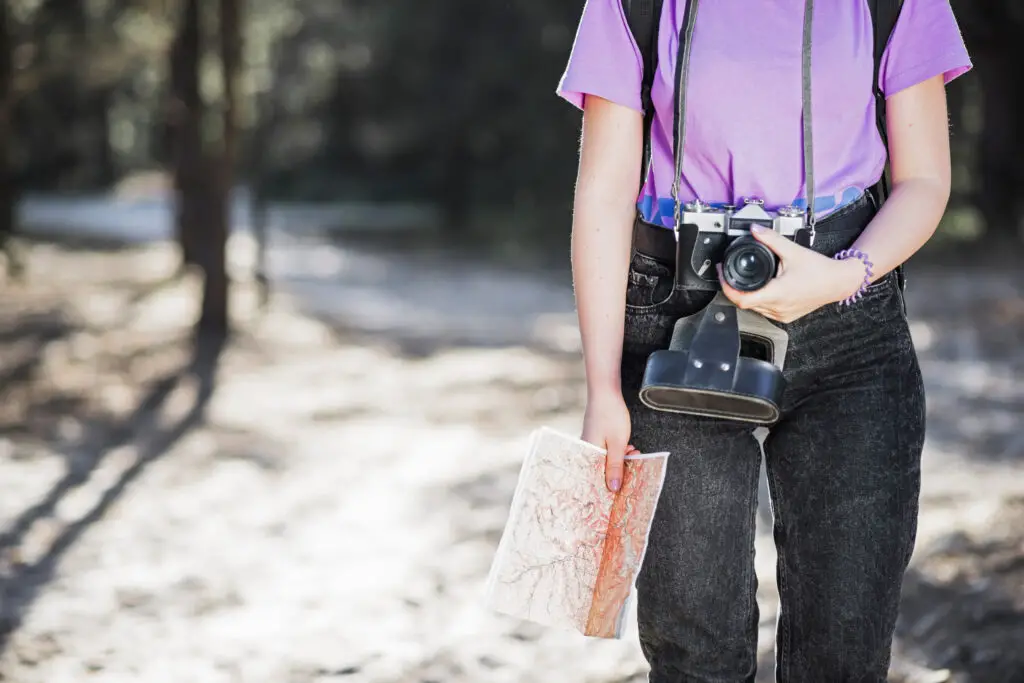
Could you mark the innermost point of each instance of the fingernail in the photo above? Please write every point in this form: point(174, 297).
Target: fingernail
point(615, 484)
point(756, 228)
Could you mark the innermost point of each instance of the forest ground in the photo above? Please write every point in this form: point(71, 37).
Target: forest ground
point(320, 500)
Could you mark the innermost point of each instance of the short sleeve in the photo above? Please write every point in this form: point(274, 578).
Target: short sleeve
point(605, 60)
point(925, 43)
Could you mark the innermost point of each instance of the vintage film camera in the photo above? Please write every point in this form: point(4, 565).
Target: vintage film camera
point(710, 235)
point(724, 362)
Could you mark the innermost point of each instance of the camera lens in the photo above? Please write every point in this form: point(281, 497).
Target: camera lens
point(748, 265)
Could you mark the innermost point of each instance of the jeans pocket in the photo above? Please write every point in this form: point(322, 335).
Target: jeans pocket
point(650, 284)
point(881, 304)
point(885, 284)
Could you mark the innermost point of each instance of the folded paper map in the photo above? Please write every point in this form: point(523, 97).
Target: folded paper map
point(571, 549)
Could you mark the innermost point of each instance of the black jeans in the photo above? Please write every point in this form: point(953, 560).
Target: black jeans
point(843, 467)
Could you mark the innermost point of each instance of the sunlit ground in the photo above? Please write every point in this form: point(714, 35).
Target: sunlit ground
point(329, 513)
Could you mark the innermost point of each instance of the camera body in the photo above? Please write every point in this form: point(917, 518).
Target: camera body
point(708, 236)
point(723, 362)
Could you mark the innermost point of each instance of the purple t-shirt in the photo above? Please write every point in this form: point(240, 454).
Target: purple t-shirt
point(743, 120)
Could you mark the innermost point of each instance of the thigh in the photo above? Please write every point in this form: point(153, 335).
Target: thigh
point(697, 610)
point(844, 472)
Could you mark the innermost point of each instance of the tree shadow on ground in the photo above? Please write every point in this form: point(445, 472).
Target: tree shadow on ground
point(26, 342)
point(969, 331)
point(150, 435)
point(29, 333)
point(962, 609)
point(80, 243)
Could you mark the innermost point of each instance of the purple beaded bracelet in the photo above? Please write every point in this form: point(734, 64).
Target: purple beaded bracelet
point(868, 265)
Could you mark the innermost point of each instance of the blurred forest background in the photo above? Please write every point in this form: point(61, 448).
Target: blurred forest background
point(182, 511)
point(448, 103)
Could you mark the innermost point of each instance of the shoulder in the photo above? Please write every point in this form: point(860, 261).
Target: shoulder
point(605, 60)
point(925, 43)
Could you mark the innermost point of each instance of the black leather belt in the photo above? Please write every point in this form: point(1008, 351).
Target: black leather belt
point(654, 241)
point(659, 242)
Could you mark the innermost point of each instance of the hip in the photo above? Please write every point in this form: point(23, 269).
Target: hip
point(871, 329)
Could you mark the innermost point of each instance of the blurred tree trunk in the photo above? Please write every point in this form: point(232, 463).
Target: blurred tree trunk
point(267, 120)
point(956, 98)
point(186, 110)
point(256, 178)
point(7, 192)
point(215, 315)
point(457, 160)
point(102, 153)
point(1001, 177)
point(991, 32)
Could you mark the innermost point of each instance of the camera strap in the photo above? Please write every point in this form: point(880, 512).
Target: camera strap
point(808, 127)
point(679, 123)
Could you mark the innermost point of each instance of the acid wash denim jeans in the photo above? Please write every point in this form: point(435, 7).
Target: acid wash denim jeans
point(843, 468)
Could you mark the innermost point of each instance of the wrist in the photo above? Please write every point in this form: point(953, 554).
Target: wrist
point(850, 274)
point(600, 387)
point(853, 275)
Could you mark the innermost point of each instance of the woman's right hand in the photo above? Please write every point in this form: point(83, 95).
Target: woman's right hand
point(606, 424)
point(604, 209)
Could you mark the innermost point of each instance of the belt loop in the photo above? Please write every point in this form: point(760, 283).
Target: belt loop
point(875, 201)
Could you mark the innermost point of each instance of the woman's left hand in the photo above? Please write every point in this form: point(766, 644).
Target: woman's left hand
point(806, 281)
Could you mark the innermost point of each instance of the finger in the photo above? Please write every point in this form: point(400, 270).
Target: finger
point(769, 313)
point(781, 314)
point(741, 299)
point(773, 296)
point(767, 296)
point(782, 246)
point(745, 300)
point(613, 466)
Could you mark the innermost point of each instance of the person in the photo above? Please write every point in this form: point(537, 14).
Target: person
point(843, 461)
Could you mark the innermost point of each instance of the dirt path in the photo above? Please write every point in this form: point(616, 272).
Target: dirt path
point(325, 506)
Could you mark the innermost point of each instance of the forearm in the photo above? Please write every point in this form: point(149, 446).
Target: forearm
point(906, 221)
point(919, 154)
point(603, 213)
point(601, 236)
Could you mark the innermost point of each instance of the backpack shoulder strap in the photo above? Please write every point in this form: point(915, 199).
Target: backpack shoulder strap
point(884, 14)
point(644, 16)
